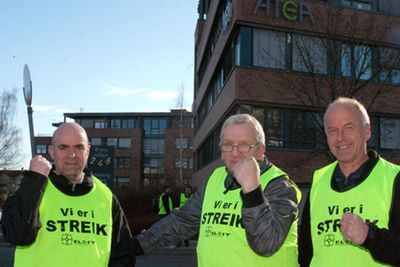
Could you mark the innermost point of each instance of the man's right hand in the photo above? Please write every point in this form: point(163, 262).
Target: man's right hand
point(40, 165)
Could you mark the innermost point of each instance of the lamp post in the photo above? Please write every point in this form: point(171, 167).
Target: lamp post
point(28, 100)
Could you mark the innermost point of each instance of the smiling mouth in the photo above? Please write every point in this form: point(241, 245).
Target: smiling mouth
point(341, 147)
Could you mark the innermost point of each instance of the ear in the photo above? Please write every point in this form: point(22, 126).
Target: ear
point(261, 151)
point(51, 152)
point(367, 131)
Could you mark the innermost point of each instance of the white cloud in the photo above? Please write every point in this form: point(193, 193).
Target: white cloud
point(62, 110)
point(162, 95)
point(50, 109)
point(43, 108)
point(113, 90)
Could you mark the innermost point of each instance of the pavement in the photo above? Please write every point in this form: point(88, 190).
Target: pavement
point(170, 257)
point(165, 257)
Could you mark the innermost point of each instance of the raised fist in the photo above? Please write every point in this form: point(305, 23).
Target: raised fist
point(40, 165)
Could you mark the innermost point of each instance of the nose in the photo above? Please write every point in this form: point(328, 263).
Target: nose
point(72, 153)
point(340, 134)
point(235, 151)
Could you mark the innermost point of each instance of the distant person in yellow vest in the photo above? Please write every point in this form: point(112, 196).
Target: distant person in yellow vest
point(64, 216)
point(165, 203)
point(245, 214)
point(351, 216)
point(184, 196)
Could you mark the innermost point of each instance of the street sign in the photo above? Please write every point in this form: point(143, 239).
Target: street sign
point(27, 86)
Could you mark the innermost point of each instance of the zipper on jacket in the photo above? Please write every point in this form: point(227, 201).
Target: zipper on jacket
point(73, 187)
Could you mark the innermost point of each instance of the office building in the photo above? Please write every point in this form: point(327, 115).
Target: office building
point(136, 149)
point(283, 62)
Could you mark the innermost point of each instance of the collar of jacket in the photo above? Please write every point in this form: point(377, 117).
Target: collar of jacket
point(65, 186)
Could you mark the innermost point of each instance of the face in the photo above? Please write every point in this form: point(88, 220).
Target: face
point(347, 137)
point(236, 134)
point(70, 151)
point(188, 191)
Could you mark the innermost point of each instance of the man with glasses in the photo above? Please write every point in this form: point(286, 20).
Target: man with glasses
point(245, 214)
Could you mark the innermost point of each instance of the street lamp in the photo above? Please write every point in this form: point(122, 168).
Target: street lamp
point(28, 100)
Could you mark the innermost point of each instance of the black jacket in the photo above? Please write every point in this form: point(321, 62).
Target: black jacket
point(383, 244)
point(21, 218)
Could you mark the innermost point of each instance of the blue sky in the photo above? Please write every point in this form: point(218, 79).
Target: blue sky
point(96, 56)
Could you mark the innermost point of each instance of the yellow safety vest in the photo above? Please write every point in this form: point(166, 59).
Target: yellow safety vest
point(222, 238)
point(371, 200)
point(76, 230)
point(162, 210)
point(182, 199)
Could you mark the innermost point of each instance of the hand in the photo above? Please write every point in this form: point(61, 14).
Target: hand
point(353, 228)
point(40, 165)
point(247, 173)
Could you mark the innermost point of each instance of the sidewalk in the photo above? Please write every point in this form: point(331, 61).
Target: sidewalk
point(176, 257)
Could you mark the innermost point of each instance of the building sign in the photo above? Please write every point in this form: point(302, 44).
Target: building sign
point(289, 9)
point(101, 163)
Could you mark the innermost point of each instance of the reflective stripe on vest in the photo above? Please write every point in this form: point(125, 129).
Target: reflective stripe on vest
point(222, 238)
point(76, 230)
point(162, 210)
point(371, 199)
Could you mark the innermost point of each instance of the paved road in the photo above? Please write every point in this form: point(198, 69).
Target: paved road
point(177, 257)
point(6, 252)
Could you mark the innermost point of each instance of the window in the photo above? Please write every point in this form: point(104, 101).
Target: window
point(309, 54)
point(389, 58)
point(124, 142)
point(122, 163)
point(41, 149)
point(116, 124)
point(183, 142)
point(360, 4)
point(274, 134)
point(121, 181)
point(129, 123)
point(87, 123)
point(111, 141)
point(154, 146)
point(356, 61)
point(153, 166)
point(154, 126)
point(95, 141)
point(305, 129)
point(269, 49)
point(186, 163)
point(389, 7)
point(390, 133)
point(100, 124)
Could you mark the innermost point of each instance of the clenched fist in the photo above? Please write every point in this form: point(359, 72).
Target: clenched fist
point(40, 165)
point(353, 228)
point(247, 173)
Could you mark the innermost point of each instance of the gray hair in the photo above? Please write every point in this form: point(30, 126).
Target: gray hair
point(245, 118)
point(352, 103)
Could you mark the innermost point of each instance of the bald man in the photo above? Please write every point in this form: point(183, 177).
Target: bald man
point(64, 216)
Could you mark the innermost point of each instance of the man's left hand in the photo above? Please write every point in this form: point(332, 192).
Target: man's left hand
point(353, 228)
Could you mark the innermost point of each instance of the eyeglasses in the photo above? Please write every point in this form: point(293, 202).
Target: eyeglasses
point(242, 148)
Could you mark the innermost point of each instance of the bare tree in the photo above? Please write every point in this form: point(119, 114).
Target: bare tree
point(10, 136)
point(179, 103)
point(349, 57)
point(342, 63)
